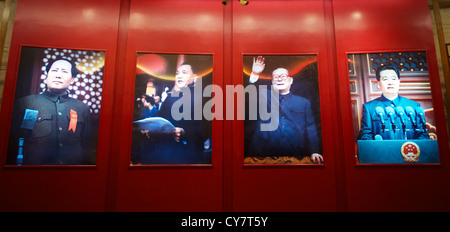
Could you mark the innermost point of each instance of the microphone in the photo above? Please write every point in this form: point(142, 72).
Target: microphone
point(391, 114)
point(401, 114)
point(421, 114)
point(410, 113)
point(29, 119)
point(380, 112)
point(378, 137)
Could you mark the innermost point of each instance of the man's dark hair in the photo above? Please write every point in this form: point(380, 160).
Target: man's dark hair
point(192, 67)
point(386, 67)
point(149, 99)
point(74, 69)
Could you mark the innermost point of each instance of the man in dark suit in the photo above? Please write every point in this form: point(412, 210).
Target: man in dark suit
point(375, 125)
point(295, 140)
point(186, 143)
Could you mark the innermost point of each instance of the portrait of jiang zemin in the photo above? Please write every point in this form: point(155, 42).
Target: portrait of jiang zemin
point(169, 126)
point(392, 108)
point(56, 109)
point(282, 110)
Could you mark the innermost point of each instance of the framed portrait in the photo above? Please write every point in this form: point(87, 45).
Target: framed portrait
point(169, 127)
point(56, 108)
point(392, 108)
point(282, 110)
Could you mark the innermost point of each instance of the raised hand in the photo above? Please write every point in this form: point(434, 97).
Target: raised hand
point(258, 65)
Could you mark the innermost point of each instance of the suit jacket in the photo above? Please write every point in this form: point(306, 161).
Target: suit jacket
point(372, 124)
point(60, 135)
point(190, 150)
point(296, 134)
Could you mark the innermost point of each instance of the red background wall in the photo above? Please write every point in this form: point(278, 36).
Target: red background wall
point(277, 28)
point(329, 29)
point(390, 26)
point(179, 27)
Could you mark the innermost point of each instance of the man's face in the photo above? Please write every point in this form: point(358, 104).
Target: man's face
point(59, 77)
point(389, 82)
point(184, 76)
point(157, 98)
point(281, 81)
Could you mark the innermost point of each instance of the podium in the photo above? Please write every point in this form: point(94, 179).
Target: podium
point(398, 151)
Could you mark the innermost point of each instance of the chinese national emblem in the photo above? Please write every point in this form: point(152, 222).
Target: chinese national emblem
point(410, 152)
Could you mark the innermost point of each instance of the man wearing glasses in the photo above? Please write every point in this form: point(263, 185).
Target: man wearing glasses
point(295, 140)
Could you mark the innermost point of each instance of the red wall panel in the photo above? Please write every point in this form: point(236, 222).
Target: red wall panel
point(368, 26)
point(85, 25)
point(174, 27)
point(329, 29)
point(285, 28)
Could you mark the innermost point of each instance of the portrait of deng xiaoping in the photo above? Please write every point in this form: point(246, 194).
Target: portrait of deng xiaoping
point(169, 127)
point(287, 86)
point(56, 109)
point(392, 108)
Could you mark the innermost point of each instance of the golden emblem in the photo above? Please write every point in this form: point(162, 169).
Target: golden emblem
point(410, 152)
